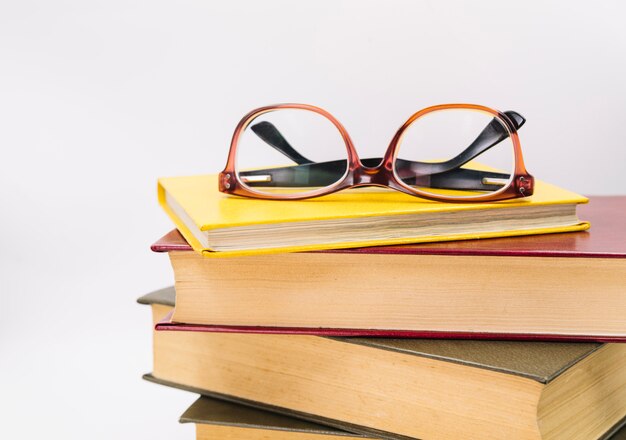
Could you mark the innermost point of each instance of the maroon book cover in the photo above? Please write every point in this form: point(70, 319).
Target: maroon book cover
point(167, 325)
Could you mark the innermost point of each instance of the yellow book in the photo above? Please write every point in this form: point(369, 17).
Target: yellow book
point(217, 224)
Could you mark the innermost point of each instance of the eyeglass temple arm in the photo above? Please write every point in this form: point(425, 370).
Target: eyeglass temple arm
point(326, 173)
point(492, 135)
point(272, 137)
point(446, 174)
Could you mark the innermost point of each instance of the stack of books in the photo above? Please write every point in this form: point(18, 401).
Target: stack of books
point(322, 333)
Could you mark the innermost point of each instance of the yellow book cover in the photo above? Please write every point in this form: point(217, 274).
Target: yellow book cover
point(217, 224)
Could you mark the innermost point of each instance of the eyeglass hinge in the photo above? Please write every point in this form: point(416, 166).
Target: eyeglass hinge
point(225, 181)
point(525, 185)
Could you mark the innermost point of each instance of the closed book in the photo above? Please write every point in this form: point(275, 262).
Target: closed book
point(568, 286)
point(216, 224)
point(223, 420)
point(220, 419)
point(404, 388)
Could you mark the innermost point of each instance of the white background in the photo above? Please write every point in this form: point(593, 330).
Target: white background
point(98, 99)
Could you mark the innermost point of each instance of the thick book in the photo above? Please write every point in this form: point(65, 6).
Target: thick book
point(216, 224)
point(220, 419)
point(552, 287)
point(403, 388)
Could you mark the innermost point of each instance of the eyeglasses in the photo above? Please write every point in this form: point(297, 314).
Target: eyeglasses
point(450, 152)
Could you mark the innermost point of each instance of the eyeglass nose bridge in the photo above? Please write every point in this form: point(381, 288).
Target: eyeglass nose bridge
point(381, 175)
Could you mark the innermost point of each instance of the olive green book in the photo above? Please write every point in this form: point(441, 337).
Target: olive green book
point(403, 388)
point(220, 419)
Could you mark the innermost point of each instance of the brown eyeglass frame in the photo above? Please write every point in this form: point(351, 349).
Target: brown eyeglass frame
point(357, 175)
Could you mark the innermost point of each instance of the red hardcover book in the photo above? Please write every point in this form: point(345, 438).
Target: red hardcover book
point(568, 286)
